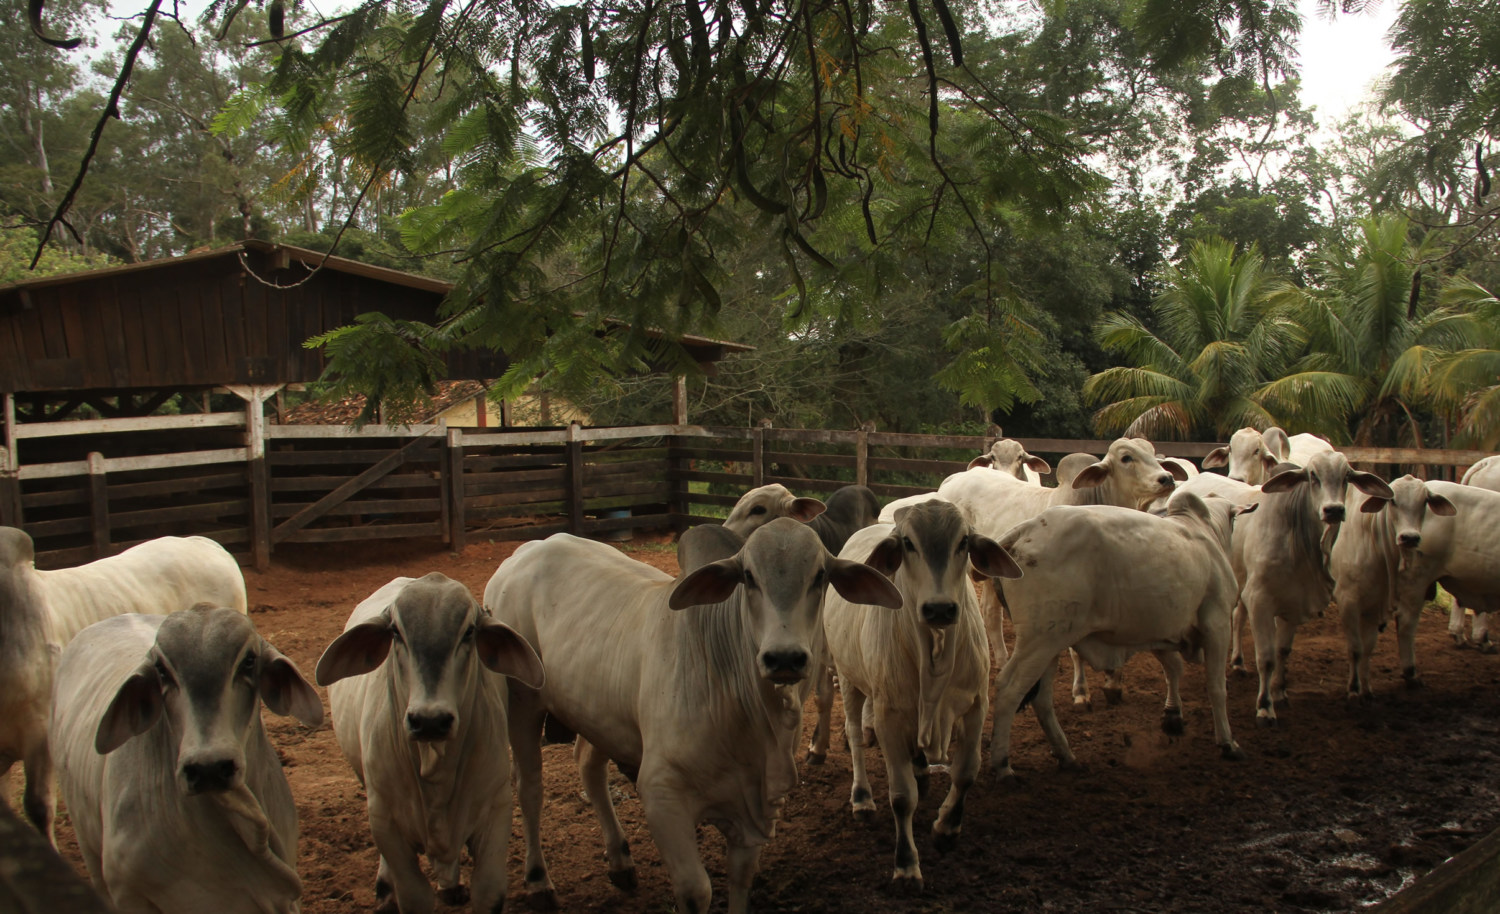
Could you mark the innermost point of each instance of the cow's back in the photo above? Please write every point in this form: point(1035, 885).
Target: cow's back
point(158, 577)
point(1484, 475)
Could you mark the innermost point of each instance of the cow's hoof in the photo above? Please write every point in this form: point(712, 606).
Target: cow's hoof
point(817, 758)
point(542, 899)
point(1083, 703)
point(944, 841)
point(623, 879)
point(906, 884)
point(1231, 752)
point(455, 896)
point(1459, 641)
point(1171, 723)
point(1267, 723)
point(387, 905)
point(1415, 682)
point(1071, 764)
point(1113, 698)
point(864, 814)
point(1486, 647)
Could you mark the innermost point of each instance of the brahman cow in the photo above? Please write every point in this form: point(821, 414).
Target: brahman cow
point(177, 797)
point(702, 708)
point(1382, 563)
point(1483, 475)
point(922, 668)
point(1008, 456)
point(1128, 475)
point(1251, 454)
point(766, 503)
point(416, 684)
point(1281, 555)
point(41, 611)
point(1109, 582)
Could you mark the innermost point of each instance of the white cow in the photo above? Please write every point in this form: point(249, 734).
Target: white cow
point(1110, 582)
point(1281, 555)
point(702, 708)
point(1008, 456)
point(419, 712)
point(176, 794)
point(923, 668)
point(766, 503)
point(1251, 454)
point(1382, 563)
point(1301, 448)
point(1483, 475)
point(41, 611)
point(1129, 475)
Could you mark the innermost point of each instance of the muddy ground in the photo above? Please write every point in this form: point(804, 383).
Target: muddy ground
point(1336, 810)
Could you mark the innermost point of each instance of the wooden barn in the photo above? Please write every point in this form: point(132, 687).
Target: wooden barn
point(120, 344)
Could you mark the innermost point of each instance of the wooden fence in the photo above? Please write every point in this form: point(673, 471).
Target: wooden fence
point(85, 489)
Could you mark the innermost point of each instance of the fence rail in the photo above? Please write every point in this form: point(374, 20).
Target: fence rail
point(88, 488)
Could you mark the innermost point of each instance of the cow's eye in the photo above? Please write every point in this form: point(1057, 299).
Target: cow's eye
point(818, 578)
point(468, 634)
point(1126, 459)
point(247, 666)
point(963, 544)
point(907, 544)
point(749, 578)
point(757, 510)
point(164, 674)
point(396, 635)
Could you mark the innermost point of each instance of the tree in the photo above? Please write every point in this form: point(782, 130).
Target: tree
point(1222, 331)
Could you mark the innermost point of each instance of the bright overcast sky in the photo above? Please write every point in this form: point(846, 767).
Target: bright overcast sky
point(1342, 59)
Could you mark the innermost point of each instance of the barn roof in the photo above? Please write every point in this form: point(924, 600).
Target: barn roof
point(200, 320)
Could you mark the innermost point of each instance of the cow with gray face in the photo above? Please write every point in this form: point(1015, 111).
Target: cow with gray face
point(1251, 454)
point(1378, 567)
point(1009, 456)
point(416, 683)
point(923, 668)
point(764, 504)
point(41, 611)
point(692, 686)
point(177, 797)
point(1281, 557)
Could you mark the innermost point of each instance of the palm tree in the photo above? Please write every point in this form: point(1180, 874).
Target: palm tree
point(1466, 384)
point(1222, 331)
point(1371, 344)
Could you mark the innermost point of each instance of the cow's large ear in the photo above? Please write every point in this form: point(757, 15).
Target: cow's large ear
point(859, 583)
point(1241, 510)
point(1038, 465)
point(1172, 467)
point(983, 460)
point(713, 583)
point(805, 509)
point(1092, 475)
point(1218, 457)
point(1276, 442)
point(284, 689)
point(135, 709)
point(1372, 505)
point(1284, 481)
point(990, 558)
point(1440, 505)
point(357, 651)
point(502, 649)
point(887, 554)
point(1370, 484)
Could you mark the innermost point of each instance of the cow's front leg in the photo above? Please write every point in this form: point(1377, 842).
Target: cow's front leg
point(673, 824)
point(1081, 698)
point(38, 798)
point(1481, 632)
point(400, 867)
point(902, 783)
point(1361, 634)
point(965, 768)
point(1171, 715)
point(488, 883)
point(524, 722)
point(1263, 631)
point(743, 863)
point(861, 800)
point(817, 751)
point(1406, 642)
point(593, 769)
point(1285, 632)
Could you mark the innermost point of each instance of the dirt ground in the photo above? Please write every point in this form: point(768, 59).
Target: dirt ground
point(1337, 809)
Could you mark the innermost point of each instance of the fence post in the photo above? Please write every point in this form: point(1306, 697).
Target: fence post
point(679, 400)
point(758, 454)
point(456, 523)
point(575, 479)
point(862, 454)
point(10, 468)
point(258, 471)
point(98, 504)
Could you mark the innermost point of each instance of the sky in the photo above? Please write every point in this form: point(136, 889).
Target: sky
point(1342, 59)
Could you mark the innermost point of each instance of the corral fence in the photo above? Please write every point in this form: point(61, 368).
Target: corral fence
point(88, 488)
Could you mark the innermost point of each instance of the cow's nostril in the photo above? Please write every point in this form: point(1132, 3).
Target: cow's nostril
point(1411, 539)
point(1333, 513)
point(431, 725)
point(790, 661)
point(209, 776)
point(939, 613)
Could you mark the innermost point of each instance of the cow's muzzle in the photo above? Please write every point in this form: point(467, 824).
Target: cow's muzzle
point(785, 666)
point(210, 776)
point(940, 614)
point(1333, 514)
point(429, 726)
point(1409, 540)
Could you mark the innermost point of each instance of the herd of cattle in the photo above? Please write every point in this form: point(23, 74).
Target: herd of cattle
point(139, 678)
